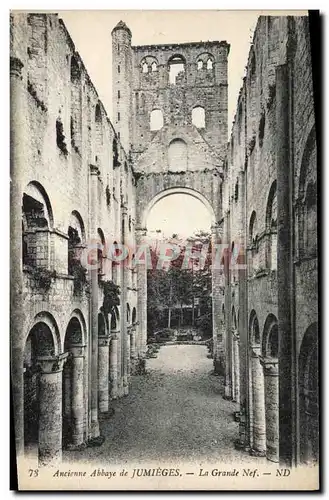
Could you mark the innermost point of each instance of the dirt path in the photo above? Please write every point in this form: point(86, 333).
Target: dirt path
point(176, 412)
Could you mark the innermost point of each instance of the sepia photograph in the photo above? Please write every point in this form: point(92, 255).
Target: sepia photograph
point(164, 295)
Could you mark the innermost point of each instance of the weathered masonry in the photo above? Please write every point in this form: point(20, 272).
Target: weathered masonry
point(78, 181)
point(170, 109)
point(72, 186)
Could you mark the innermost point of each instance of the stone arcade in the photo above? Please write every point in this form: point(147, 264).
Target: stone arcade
point(77, 179)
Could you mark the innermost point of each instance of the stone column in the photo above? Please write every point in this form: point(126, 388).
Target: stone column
point(128, 352)
point(114, 365)
point(285, 269)
point(50, 410)
point(67, 403)
point(236, 368)
point(103, 373)
point(132, 349)
point(232, 345)
point(123, 299)
point(94, 430)
point(217, 299)
point(17, 163)
point(228, 316)
point(78, 406)
point(271, 376)
point(244, 424)
point(142, 296)
point(258, 398)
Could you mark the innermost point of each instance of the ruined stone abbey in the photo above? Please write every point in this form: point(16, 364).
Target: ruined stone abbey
point(78, 179)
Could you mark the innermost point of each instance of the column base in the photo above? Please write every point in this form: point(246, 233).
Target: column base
point(96, 441)
point(94, 430)
point(125, 386)
point(76, 447)
point(108, 414)
point(257, 453)
point(241, 445)
point(227, 397)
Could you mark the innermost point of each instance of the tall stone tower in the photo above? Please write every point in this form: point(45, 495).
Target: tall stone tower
point(121, 83)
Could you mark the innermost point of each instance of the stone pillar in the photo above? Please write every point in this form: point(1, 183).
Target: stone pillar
point(94, 427)
point(271, 376)
point(133, 349)
point(128, 352)
point(123, 299)
point(228, 316)
point(103, 373)
point(217, 299)
point(258, 398)
point(285, 270)
point(243, 341)
point(67, 403)
point(236, 368)
point(17, 163)
point(50, 410)
point(114, 365)
point(142, 295)
point(78, 406)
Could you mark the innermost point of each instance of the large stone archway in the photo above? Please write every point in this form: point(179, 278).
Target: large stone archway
point(203, 186)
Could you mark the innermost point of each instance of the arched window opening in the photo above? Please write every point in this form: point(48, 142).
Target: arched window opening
point(236, 191)
point(177, 155)
point(271, 229)
point(101, 325)
point(307, 202)
point(145, 68)
point(309, 396)
point(198, 117)
point(154, 66)
point(134, 316)
point(156, 120)
point(176, 70)
point(200, 64)
point(115, 154)
point(261, 130)
point(253, 244)
point(73, 243)
point(209, 64)
point(253, 229)
point(115, 263)
point(37, 218)
point(254, 331)
point(60, 136)
point(101, 252)
point(128, 313)
point(113, 322)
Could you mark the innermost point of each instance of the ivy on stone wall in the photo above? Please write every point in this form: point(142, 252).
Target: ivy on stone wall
point(111, 296)
point(43, 277)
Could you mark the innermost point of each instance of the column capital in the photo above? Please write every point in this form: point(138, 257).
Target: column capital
point(16, 67)
point(255, 351)
point(78, 350)
point(271, 366)
point(94, 170)
point(103, 340)
point(51, 364)
point(115, 334)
